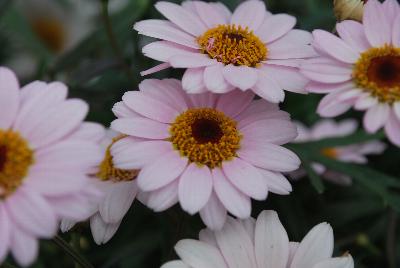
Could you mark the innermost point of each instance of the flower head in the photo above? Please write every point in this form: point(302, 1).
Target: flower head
point(348, 9)
point(259, 244)
point(249, 49)
point(210, 152)
point(354, 153)
point(361, 68)
point(119, 189)
point(45, 159)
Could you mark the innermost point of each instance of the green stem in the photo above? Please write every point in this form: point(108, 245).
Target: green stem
point(79, 259)
point(391, 238)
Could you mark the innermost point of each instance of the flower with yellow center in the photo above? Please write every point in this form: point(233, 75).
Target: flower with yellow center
point(203, 150)
point(249, 49)
point(360, 68)
point(15, 160)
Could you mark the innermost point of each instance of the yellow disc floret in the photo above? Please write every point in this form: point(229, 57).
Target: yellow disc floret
point(230, 44)
point(15, 159)
point(107, 170)
point(205, 136)
point(378, 72)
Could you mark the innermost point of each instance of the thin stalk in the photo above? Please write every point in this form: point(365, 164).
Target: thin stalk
point(78, 258)
point(391, 239)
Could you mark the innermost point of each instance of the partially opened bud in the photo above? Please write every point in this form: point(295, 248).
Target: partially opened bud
point(348, 9)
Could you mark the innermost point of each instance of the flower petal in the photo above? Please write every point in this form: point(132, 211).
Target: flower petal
point(9, 97)
point(24, 247)
point(275, 27)
point(141, 127)
point(102, 232)
point(268, 89)
point(376, 24)
point(243, 77)
point(352, 32)
point(249, 13)
point(340, 262)
point(213, 213)
point(163, 198)
point(214, 79)
point(193, 81)
point(234, 102)
point(376, 117)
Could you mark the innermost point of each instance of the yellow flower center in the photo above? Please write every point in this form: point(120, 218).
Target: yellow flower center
point(205, 136)
point(15, 159)
point(233, 45)
point(107, 170)
point(378, 72)
point(51, 32)
point(330, 152)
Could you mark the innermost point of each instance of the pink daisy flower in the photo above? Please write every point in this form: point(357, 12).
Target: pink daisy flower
point(210, 152)
point(249, 49)
point(45, 156)
point(261, 243)
point(350, 154)
point(361, 68)
point(119, 190)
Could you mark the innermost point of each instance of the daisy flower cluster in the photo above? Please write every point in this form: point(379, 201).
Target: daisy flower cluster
point(212, 143)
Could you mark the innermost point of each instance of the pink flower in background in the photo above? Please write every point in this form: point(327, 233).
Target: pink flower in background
point(45, 157)
point(361, 68)
point(351, 153)
point(210, 152)
point(249, 49)
point(119, 190)
point(263, 243)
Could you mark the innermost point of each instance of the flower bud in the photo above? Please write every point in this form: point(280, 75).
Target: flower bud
point(349, 9)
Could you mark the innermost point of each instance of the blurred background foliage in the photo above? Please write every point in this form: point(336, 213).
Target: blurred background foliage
point(91, 46)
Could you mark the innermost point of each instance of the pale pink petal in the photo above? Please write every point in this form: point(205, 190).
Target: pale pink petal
point(335, 47)
point(30, 90)
point(295, 37)
point(164, 50)
point(351, 95)
point(163, 198)
point(391, 8)
point(141, 127)
point(376, 117)
point(283, 48)
point(207, 236)
point(222, 10)
point(250, 119)
point(330, 106)
point(256, 107)
point(275, 27)
point(191, 60)
point(193, 81)
point(294, 63)
point(269, 130)
point(209, 14)
point(214, 79)
point(249, 225)
point(293, 246)
point(288, 78)
point(213, 213)
point(316, 87)
point(121, 110)
point(271, 241)
point(339, 262)
point(268, 88)
point(150, 107)
point(199, 254)
point(195, 187)
point(352, 32)
point(392, 129)
point(165, 30)
point(326, 70)
point(74, 206)
point(269, 156)
point(5, 233)
point(249, 13)
point(89, 131)
point(254, 184)
point(206, 99)
point(276, 182)
point(234, 201)
point(181, 17)
point(67, 225)
point(234, 102)
point(243, 77)
point(32, 213)
point(132, 154)
point(236, 245)
point(316, 246)
point(155, 69)
point(57, 123)
point(365, 102)
point(9, 97)
point(102, 232)
point(36, 108)
point(396, 31)
point(376, 24)
point(24, 247)
point(117, 201)
point(175, 264)
point(396, 109)
point(162, 171)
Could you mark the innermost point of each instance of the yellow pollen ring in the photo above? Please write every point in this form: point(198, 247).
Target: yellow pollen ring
point(230, 44)
point(369, 73)
point(15, 160)
point(205, 136)
point(107, 171)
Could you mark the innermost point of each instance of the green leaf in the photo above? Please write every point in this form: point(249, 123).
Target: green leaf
point(315, 179)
